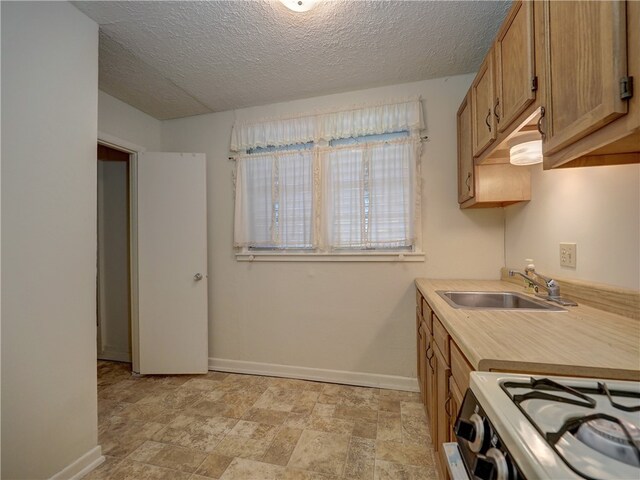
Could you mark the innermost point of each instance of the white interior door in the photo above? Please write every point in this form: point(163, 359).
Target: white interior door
point(171, 266)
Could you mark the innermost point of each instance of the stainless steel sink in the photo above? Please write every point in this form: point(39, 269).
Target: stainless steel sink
point(496, 301)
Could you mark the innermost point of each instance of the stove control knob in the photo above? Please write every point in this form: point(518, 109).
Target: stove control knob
point(465, 430)
point(500, 462)
point(484, 469)
point(475, 431)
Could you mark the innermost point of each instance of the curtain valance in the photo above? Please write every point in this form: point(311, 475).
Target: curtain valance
point(370, 120)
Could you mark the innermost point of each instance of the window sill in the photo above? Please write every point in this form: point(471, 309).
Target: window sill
point(331, 257)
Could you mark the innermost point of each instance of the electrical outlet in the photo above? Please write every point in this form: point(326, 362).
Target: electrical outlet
point(568, 255)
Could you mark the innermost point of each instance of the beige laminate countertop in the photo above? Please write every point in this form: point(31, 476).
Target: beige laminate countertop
point(582, 341)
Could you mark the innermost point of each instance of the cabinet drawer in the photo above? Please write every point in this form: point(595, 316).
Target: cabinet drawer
point(460, 367)
point(427, 315)
point(441, 338)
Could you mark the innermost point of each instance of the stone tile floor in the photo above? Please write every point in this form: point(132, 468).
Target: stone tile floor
point(246, 427)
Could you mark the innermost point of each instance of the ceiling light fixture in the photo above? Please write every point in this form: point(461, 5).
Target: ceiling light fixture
point(299, 5)
point(526, 153)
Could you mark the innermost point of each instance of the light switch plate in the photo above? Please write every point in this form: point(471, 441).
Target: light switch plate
point(568, 255)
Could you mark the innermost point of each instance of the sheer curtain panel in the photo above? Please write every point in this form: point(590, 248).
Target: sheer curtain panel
point(344, 197)
point(274, 200)
point(369, 192)
point(391, 193)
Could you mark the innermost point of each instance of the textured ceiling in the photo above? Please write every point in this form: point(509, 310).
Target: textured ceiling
point(175, 59)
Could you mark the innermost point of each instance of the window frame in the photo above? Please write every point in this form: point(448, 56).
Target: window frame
point(411, 253)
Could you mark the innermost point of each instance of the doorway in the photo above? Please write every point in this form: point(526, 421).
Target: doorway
point(113, 284)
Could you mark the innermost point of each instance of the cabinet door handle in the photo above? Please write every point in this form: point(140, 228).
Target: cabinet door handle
point(446, 405)
point(495, 110)
point(467, 182)
point(486, 120)
point(429, 360)
point(539, 124)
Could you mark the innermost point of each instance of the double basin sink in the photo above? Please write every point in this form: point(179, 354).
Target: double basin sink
point(496, 301)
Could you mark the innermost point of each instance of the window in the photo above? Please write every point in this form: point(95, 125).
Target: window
point(327, 192)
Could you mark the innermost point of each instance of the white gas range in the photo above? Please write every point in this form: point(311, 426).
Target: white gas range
point(533, 427)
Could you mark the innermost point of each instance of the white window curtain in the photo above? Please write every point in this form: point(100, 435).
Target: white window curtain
point(343, 173)
point(300, 189)
point(391, 194)
point(387, 117)
point(369, 195)
point(274, 200)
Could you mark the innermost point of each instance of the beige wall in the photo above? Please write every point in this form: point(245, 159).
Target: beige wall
point(356, 317)
point(49, 111)
point(122, 121)
point(598, 208)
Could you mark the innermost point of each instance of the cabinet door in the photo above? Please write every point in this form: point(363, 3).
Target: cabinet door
point(466, 187)
point(418, 325)
point(422, 363)
point(431, 388)
point(586, 59)
point(515, 60)
point(483, 123)
point(454, 405)
point(443, 372)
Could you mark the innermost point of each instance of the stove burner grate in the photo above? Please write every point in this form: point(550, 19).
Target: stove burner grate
point(580, 394)
point(604, 389)
point(572, 426)
point(580, 397)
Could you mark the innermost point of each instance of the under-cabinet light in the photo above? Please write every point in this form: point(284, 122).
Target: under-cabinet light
point(527, 153)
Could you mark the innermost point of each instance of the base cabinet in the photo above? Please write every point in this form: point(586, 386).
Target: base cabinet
point(443, 376)
point(422, 360)
point(443, 419)
point(430, 398)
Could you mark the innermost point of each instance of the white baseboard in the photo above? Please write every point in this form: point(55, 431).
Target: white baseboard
point(82, 466)
point(361, 379)
point(114, 355)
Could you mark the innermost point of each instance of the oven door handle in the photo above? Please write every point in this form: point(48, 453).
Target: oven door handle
point(455, 465)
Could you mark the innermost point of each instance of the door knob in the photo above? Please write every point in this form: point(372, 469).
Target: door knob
point(197, 277)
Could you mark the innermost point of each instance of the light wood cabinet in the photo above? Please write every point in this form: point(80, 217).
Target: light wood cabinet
point(457, 396)
point(445, 368)
point(422, 360)
point(566, 69)
point(486, 185)
point(586, 61)
point(592, 116)
point(430, 398)
point(516, 80)
point(483, 121)
point(418, 337)
point(424, 352)
point(466, 180)
point(442, 420)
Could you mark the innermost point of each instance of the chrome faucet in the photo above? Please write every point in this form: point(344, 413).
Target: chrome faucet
point(549, 284)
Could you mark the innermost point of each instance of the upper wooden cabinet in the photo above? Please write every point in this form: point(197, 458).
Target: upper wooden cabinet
point(592, 116)
point(586, 61)
point(466, 181)
point(516, 80)
point(486, 185)
point(483, 121)
point(566, 67)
